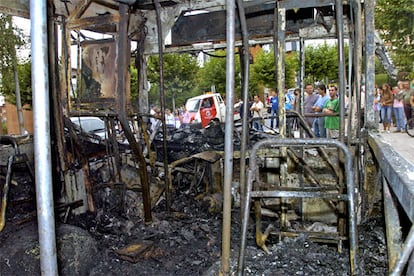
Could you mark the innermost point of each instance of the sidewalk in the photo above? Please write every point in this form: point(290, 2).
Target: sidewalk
point(400, 142)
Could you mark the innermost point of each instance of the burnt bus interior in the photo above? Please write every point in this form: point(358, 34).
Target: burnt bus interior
point(91, 45)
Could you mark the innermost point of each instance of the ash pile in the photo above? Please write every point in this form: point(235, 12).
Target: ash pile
point(187, 141)
point(115, 239)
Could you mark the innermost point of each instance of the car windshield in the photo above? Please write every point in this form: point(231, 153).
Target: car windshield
point(90, 124)
point(193, 105)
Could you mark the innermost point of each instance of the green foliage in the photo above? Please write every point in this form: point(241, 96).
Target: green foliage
point(179, 71)
point(4, 127)
point(291, 67)
point(321, 63)
point(395, 20)
point(263, 70)
point(134, 83)
point(10, 38)
point(380, 79)
point(25, 82)
point(379, 68)
point(214, 73)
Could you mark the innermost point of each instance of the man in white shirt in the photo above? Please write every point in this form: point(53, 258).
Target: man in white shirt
point(154, 112)
point(256, 110)
point(169, 118)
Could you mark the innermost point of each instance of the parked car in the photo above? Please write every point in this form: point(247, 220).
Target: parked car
point(93, 125)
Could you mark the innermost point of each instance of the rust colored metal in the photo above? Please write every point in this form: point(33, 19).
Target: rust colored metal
point(137, 251)
point(5, 193)
point(347, 194)
point(168, 186)
point(137, 150)
point(13, 159)
point(88, 188)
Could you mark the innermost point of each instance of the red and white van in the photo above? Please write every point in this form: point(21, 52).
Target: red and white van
point(206, 107)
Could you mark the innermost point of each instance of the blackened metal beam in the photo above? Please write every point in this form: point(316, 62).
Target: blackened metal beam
point(79, 9)
point(296, 4)
point(392, 224)
point(210, 27)
point(168, 188)
point(149, 4)
point(122, 54)
point(341, 65)
point(397, 171)
point(19, 8)
point(245, 65)
point(104, 23)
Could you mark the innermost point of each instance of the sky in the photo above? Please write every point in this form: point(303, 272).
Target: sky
point(24, 25)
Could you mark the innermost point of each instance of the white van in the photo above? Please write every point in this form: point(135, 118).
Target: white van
point(206, 107)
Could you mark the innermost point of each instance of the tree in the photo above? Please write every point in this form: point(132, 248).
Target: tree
point(321, 63)
point(263, 70)
point(10, 38)
point(179, 72)
point(213, 73)
point(395, 20)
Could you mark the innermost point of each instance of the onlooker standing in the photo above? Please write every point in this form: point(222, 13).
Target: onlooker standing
point(256, 110)
point(319, 123)
point(274, 102)
point(169, 118)
point(154, 119)
point(310, 99)
point(331, 107)
point(186, 118)
point(387, 101)
point(177, 118)
point(289, 105)
point(398, 108)
point(377, 104)
point(407, 94)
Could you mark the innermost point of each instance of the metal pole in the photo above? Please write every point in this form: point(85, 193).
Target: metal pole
point(18, 98)
point(122, 50)
point(392, 225)
point(369, 24)
point(356, 10)
point(406, 251)
point(351, 191)
point(228, 134)
point(284, 124)
point(42, 147)
point(279, 52)
point(245, 129)
point(168, 188)
point(341, 65)
point(350, 96)
point(302, 73)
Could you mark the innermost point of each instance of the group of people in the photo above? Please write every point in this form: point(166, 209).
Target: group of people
point(317, 102)
point(179, 119)
point(393, 106)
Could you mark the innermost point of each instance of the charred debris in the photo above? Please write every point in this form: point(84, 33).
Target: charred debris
point(301, 236)
point(152, 203)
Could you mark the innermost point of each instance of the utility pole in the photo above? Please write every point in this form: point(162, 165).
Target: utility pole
point(17, 87)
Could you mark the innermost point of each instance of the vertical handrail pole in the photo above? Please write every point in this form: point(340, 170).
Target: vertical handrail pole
point(228, 134)
point(369, 23)
point(245, 129)
point(42, 146)
point(341, 65)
